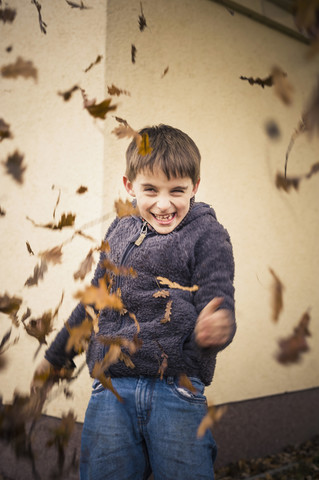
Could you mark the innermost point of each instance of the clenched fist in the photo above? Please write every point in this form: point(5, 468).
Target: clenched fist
point(214, 327)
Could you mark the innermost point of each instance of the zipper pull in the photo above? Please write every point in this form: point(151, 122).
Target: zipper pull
point(143, 234)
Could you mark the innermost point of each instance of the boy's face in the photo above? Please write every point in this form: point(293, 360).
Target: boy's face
point(162, 203)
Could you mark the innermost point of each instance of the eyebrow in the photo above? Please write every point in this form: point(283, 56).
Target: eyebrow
point(180, 187)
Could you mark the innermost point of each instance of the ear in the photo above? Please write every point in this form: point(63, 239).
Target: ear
point(196, 187)
point(128, 186)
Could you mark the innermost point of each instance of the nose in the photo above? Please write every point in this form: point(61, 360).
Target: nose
point(163, 202)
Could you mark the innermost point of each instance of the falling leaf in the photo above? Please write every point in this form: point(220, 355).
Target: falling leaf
point(4, 130)
point(291, 348)
point(272, 130)
point(53, 255)
point(94, 318)
point(86, 266)
point(21, 68)
point(125, 130)
point(133, 53)
point(100, 297)
point(113, 90)
point(125, 209)
point(283, 88)
point(60, 436)
point(184, 382)
point(10, 306)
point(161, 294)
point(121, 120)
point(29, 248)
point(142, 20)
point(145, 148)
point(163, 365)
point(277, 296)
point(131, 345)
point(165, 72)
point(42, 326)
point(15, 167)
point(265, 82)
point(168, 309)
point(98, 110)
point(97, 60)
point(82, 190)
point(66, 220)
point(287, 183)
point(213, 415)
point(7, 15)
point(121, 270)
point(4, 346)
point(2, 212)
point(38, 274)
point(81, 5)
point(79, 336)
point(68, 93)
point(42, 24)
point(166, 281)
point(133, 317)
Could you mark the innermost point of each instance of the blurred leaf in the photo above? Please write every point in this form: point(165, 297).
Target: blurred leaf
point(86, 266)
point(100, 297)
point(142, 20)
point(277, 296)
point(310, 115)
point(21, 68)
point(10, 306)
point(133, 53)
point(4, 130)
point(97, 60)
point(161, 294)
point(97, 110)
point(68, 93)
point(166, 281)
point(263, 82)
point(283, 88)
point(125, 130)
point(81, 5)
point(165, 72)
point(15, 167)
point(144, 147)
point(2, 212)
point(7, 14)
point(79, 336)
point(185, 382)
point(113, 90)
point(82, 190)
point(53, 255)
point(66, 220)
point(38, 274)
point(272, 129)
point(213, 415)
point(60, 437)
point(29, 248)
point(167, 315)
point(125, 209)
point(287, 183)
point(291, 348)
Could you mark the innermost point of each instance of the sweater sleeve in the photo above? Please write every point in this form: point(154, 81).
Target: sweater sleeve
point(56, 354)
point(214, 273)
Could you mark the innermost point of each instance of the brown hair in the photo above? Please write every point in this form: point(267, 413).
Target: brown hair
point(173, 151)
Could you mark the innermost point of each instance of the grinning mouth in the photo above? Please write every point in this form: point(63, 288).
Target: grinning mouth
point(163, 218)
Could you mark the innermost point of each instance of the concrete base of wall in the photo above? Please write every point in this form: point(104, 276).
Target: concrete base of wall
point(249, 429)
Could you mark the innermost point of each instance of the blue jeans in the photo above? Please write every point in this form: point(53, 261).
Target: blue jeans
point(152, 430)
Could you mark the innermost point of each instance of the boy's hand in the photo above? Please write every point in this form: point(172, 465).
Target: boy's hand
point(41, 375)
point(214, 327)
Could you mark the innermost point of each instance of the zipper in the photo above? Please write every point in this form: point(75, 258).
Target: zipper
point(143, 234)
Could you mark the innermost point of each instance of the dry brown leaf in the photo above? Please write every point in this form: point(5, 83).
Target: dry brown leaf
point(125, 209)
point(170, 284)
point(144, 147)
point(165, 72)
point(7, 14)
point(62, 434)
point(163, 365)
point(282, 86)
point(291, 348)
point(161, 294)
point(53, 255)
point(29, 248)
point(113, 90)
point(10, 306)
point(68, 93)
point(79, 336)
point(142, 20)
point(121, 270)
point(21, 68)
point(167, 315)
point(42, 326)
point(86, 266)
point(123, 131)
point(133, 53)
point(133, 317)
point(287, 183)
point(185, 382)
point(38, 274)
point(277, 296)
point(94, 317)
point(97, 60)
point(100, 297)
point(82, 190)
point(15, 167)
point(213, 415)
point(4, 130)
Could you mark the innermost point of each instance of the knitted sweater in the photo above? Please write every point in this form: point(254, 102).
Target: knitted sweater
point(197, 252)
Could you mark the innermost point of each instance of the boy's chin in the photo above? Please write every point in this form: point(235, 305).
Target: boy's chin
point(163, 228)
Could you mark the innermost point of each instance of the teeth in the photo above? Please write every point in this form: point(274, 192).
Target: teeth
point(165, 217)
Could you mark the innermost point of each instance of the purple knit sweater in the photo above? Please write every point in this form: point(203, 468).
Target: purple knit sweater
point(197, 252)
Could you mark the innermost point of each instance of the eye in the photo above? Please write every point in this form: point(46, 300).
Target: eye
point(178, 190)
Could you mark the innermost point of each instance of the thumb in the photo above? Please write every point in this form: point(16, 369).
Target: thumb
point(213, 305)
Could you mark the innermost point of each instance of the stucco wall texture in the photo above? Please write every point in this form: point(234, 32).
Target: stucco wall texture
point(206, 48)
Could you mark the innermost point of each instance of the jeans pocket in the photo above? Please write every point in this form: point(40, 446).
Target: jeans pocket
point(191, 396)
point(97, 387)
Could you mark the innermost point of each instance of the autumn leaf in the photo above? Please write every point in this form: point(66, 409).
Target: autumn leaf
point(42, 24)
point(82, 190)
point(15, 167)
point(133, 53)
point(100, 297)
point(142, 20)
point(97, 60)
point(277, 296)
point(10, 306)
point(4, 340)
point(79, 336)
point(7, 14)
point(113, 90)
point(38, 274)
point(94, 317)
point(263, 82)
point(21, 68)
point(161, 294)
point(29, 248)
point(86, 266)
point(213, 415)
point(66, 220)
point(68, 93)
point(121, 270)
point(125, 209)
point(165, 72)
point(168, 309)
point(145, 148)
point(166, 281)
point(4, 130)
point(184, 382)
point(131, 345)
point(53, 255)
point(287, 183)
point(81, 5)
point(163, 365)
point(133, 317)
point(291, 348)
point(282, 87)
point(2, 212)
point(125, 130)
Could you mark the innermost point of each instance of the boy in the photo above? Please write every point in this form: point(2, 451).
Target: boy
point(182, 325)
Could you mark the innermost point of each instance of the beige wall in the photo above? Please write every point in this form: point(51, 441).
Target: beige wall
point(206, 49)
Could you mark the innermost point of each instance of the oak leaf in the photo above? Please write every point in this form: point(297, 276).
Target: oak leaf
point(287, 183)
point(125, 209)
point(213, 415)
point(170, 284)
point(133, 53)
point(100, 297)
point(142, 20)
point(21, 68)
